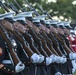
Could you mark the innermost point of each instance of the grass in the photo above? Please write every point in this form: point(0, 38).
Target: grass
point(74, 73)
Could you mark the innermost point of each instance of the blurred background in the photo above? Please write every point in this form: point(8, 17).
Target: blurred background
point(58, 9)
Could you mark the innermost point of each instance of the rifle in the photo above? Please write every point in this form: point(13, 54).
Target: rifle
point(44, 11)
point(32, 8)
point(8, 41)
point(26, 36)
point(38, 41)
point(6, 7)
point(10, 5)
point(14, 56)
point(18, 4)
point(31, 41)
point(48, 51)
point(55, 43)
point(63, 43)
point(66, 41)
point(22, 9)
point(3, 6)
point(22, 40)
point(49, 43)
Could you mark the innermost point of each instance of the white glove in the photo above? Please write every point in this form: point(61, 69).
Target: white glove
point(72, 56)
point(41, 59)
point(54, 58)
point(64, 60)
point(74, 66)
point(48, 60)
point(58, 73)
point(58, 60)
point(19, 67)
point(73, 70)
point(75, 56)
point(35, 58)
point(61, 60)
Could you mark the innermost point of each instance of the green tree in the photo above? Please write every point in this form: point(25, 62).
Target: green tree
point(64, 8)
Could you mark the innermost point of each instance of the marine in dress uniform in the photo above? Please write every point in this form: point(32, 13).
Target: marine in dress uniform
point(70, 38)
point(68, 63)
point(32, 66)
point(21, 20)
point(26, 60)
point(54, 69)
point(7, 68)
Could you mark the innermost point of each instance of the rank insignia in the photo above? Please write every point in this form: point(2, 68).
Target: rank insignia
point(0, 51)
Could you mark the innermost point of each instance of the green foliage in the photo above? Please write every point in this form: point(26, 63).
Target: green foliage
point(74, 73)
point(2, 11)
point(20, 2)
point(63, 8)
point(59, 8)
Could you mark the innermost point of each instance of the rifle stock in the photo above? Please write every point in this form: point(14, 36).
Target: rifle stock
point(67, 42)
point(37, 40)
point(45, 45)
point(56, 45)
point(8, 41)
point(63, 43)
point(30, 40)
point(49, 42)
point(19, 37)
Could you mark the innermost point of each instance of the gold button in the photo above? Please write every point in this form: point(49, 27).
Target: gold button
point(8, 69)
point(12, 71)
point(4, 67)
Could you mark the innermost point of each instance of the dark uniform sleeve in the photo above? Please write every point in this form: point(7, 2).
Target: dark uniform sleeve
point(2, 49)
point(20, 52)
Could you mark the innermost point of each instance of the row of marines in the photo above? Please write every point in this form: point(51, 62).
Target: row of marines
point(34, 45)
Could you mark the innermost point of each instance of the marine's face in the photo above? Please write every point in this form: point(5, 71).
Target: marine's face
point(53, 29)
point(29, 23)
point(36, 29)
point(7, 25)
point(42, 28)
point(47, 30)
point(19, 27)
point(60, 31)
point(67, 31)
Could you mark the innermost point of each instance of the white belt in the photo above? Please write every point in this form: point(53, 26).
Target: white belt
point(6, 62)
